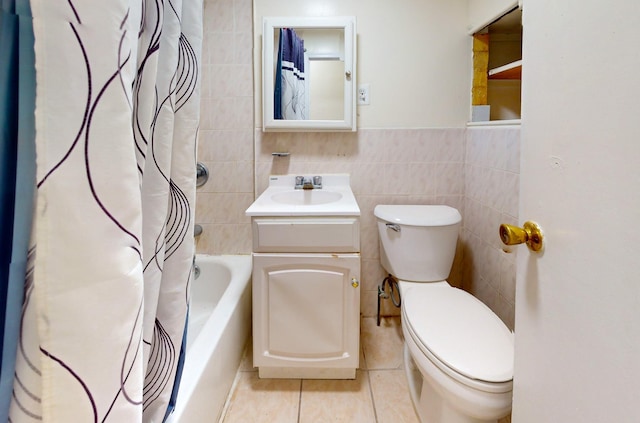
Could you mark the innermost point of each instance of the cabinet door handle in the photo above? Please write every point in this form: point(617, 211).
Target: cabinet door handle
point(355, 282)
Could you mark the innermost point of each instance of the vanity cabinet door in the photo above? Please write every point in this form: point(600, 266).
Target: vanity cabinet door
point(306, 310)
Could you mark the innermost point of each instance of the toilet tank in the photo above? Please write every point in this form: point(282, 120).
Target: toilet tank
point(418, 242)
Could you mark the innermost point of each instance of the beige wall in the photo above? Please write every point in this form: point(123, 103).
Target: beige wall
point(402, 156)
point(225, 142)
point(491, 194)
point(415, 56)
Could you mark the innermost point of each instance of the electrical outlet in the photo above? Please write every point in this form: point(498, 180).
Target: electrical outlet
point(363, 94)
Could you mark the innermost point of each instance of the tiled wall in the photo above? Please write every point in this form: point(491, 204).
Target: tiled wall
point(474, 170)
point(226, 127)
point(491, 193)
point(387, 166)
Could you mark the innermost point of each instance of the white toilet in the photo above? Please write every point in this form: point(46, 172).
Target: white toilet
point(458, 353)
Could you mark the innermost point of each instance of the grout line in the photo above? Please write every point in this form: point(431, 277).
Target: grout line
point(229, 399)
point(300, 401)
point(373, 399)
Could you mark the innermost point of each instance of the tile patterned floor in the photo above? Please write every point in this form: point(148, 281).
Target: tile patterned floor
point(379, 394)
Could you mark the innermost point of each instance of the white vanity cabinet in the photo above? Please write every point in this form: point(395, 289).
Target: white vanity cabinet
point(306, 296)
point(306, 278)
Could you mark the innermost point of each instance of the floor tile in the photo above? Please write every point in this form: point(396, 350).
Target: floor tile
point(263, 400)
point(382, 344)
point(391, 397)
point(347, 401)
point(379, 394)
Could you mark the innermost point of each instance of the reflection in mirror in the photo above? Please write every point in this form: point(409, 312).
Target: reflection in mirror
point(327, 90)
point(308, 74)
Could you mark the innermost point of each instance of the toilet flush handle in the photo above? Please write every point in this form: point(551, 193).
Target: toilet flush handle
point(393, 226)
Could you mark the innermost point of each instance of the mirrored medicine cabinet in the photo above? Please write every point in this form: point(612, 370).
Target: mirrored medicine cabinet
point(309, 74)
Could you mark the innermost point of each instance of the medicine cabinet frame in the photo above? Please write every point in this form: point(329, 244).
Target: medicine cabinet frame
point(348, 121)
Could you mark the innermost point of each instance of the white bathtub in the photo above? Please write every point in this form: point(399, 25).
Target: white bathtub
point(219, 327)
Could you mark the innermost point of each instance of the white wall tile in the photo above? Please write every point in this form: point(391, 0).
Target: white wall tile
point(491, 197)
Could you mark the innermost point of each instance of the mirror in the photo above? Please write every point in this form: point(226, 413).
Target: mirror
point(308, 74)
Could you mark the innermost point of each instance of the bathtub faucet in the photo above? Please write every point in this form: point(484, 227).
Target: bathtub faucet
point(195, 268)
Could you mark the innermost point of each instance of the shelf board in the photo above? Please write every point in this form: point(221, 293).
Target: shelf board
point(511, 70)
point(504, 122)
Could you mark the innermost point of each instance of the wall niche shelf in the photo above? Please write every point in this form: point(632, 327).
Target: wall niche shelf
point(497, 69)
point(511, 70)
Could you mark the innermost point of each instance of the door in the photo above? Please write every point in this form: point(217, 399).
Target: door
point(577, 334)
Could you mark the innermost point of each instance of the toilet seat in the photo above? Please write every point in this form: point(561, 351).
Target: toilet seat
point(480, 355)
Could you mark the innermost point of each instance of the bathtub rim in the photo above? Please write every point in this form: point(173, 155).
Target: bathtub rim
point(197, 356)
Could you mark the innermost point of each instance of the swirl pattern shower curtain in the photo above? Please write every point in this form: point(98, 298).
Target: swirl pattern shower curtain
point(106, 297)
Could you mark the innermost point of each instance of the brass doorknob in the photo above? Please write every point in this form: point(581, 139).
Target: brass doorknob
point(530, 233)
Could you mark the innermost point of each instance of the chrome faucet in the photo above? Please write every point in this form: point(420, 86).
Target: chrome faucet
point(304, 182)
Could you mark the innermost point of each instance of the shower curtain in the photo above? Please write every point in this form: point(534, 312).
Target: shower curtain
point(291, 93)
point(106, 292)
point(17, 175)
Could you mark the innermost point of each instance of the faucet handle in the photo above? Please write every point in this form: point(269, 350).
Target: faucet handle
point(299, 181)
point(317, 181)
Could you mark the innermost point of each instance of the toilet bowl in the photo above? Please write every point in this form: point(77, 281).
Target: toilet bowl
point(463, 351)
point(458, 353)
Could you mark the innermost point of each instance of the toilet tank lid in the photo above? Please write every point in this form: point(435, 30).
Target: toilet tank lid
point(418, 215)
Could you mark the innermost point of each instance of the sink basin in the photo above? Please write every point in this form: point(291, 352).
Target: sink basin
point(282, 200)
point(306, 197)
